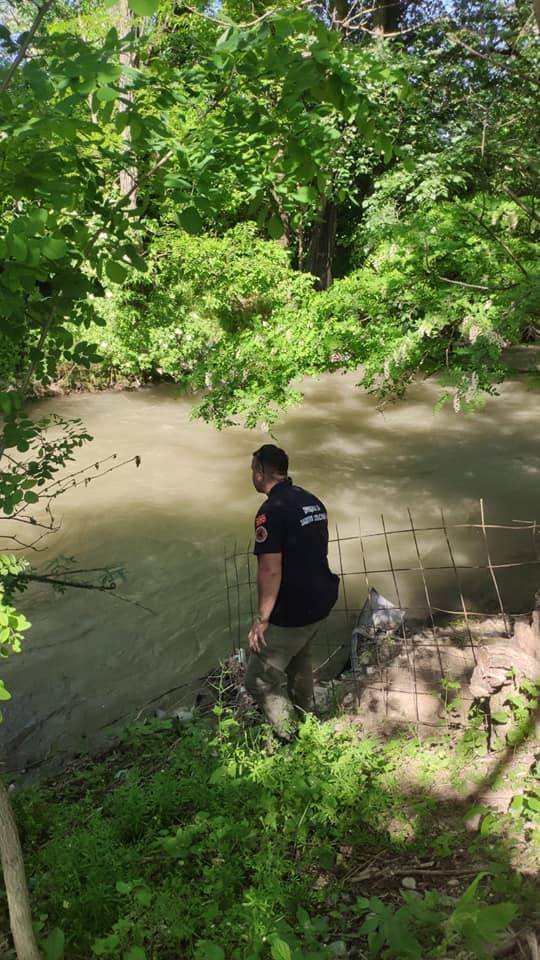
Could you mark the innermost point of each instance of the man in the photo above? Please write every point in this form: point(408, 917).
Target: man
point(296, 591)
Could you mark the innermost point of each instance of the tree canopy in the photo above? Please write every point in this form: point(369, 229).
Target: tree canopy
point(382, 161)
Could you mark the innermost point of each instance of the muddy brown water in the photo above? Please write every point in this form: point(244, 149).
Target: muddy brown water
point(91, 661)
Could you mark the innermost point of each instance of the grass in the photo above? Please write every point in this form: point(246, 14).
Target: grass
point(207, 841)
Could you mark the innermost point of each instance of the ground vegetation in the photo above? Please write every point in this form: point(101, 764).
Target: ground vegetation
point(205, 839)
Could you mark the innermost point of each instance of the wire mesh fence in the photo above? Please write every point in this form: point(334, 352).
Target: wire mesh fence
point(416, 602)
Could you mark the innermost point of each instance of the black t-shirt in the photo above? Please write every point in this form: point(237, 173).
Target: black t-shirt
point(294, 523)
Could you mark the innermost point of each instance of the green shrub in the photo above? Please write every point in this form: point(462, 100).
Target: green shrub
point(210, 846)
point(228, 317)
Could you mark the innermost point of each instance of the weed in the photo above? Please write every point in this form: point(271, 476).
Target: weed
point(428, 926)
point(209, 847)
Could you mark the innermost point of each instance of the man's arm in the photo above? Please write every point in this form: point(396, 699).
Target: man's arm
point(268, 583)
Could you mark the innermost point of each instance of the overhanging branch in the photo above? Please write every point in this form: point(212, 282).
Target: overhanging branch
point(42, 12)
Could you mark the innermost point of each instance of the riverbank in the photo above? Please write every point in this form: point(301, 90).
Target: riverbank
point(96, 379)
point(522, 359)
point(204, 840)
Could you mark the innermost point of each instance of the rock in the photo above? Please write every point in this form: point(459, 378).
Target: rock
point(409, 883)
point(338, 948)
point(322, 696)
point(183, 714)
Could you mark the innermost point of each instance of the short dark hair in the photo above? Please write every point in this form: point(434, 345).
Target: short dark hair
point(272, 457)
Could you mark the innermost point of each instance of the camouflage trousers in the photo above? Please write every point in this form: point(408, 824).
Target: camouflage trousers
point(280, 677)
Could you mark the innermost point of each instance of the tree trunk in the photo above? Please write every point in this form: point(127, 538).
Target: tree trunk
point(128, 176)
point(323, 245)
point(387, 16)
point(11, 857)
point(340, 11)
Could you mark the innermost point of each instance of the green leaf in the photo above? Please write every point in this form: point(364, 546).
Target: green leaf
point(38, 81)
point(488, 823)
point(209, 951)
point(326, 858)
point(54, 248)
point(136, 953)
point(31, 497)
point(130, 253)
point(144, 897)
point(53, 948)
point(115, 271)
point(493, 919)
point(190, 220)
point(105, 945)
point(470, 893)
point(275, 227)
point(144, 8)
point(517, 804)
point(513, 737)
point(17, 247)
point(228, 40)
point(500, 716)
point(4, 694)
point(106, 94)
point(305, 195)
point(280, 950)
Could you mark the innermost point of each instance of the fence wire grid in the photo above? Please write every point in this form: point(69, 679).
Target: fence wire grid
point(443, 581)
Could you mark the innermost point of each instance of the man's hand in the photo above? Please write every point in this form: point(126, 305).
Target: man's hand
point(256, 635)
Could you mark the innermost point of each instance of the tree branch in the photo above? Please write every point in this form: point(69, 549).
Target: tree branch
point(498, 240)
point(530, 213)
point(80, 585)
point(42, 12)
point(461, 283)
point(59, 582)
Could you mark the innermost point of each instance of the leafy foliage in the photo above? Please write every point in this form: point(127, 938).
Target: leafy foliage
point(209, 845)
point(231, 317)
point(422, 927)
point(268, 122)
point(12, 623)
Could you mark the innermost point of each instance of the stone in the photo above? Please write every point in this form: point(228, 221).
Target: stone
point(338, 949)
point(183, 714)
point(409, 883)
point(322, 696)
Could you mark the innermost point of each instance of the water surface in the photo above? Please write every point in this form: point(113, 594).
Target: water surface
point(91, 661)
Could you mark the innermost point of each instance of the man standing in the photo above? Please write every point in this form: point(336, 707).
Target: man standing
point(296, 591)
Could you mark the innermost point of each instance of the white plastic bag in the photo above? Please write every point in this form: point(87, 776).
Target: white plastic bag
point(378, 615)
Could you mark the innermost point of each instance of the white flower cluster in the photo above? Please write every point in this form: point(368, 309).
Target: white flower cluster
point(467, 391)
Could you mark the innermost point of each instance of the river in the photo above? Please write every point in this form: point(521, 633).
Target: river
point(91, 661)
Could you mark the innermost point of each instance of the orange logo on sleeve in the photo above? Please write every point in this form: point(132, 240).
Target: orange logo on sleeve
point(260, 520)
